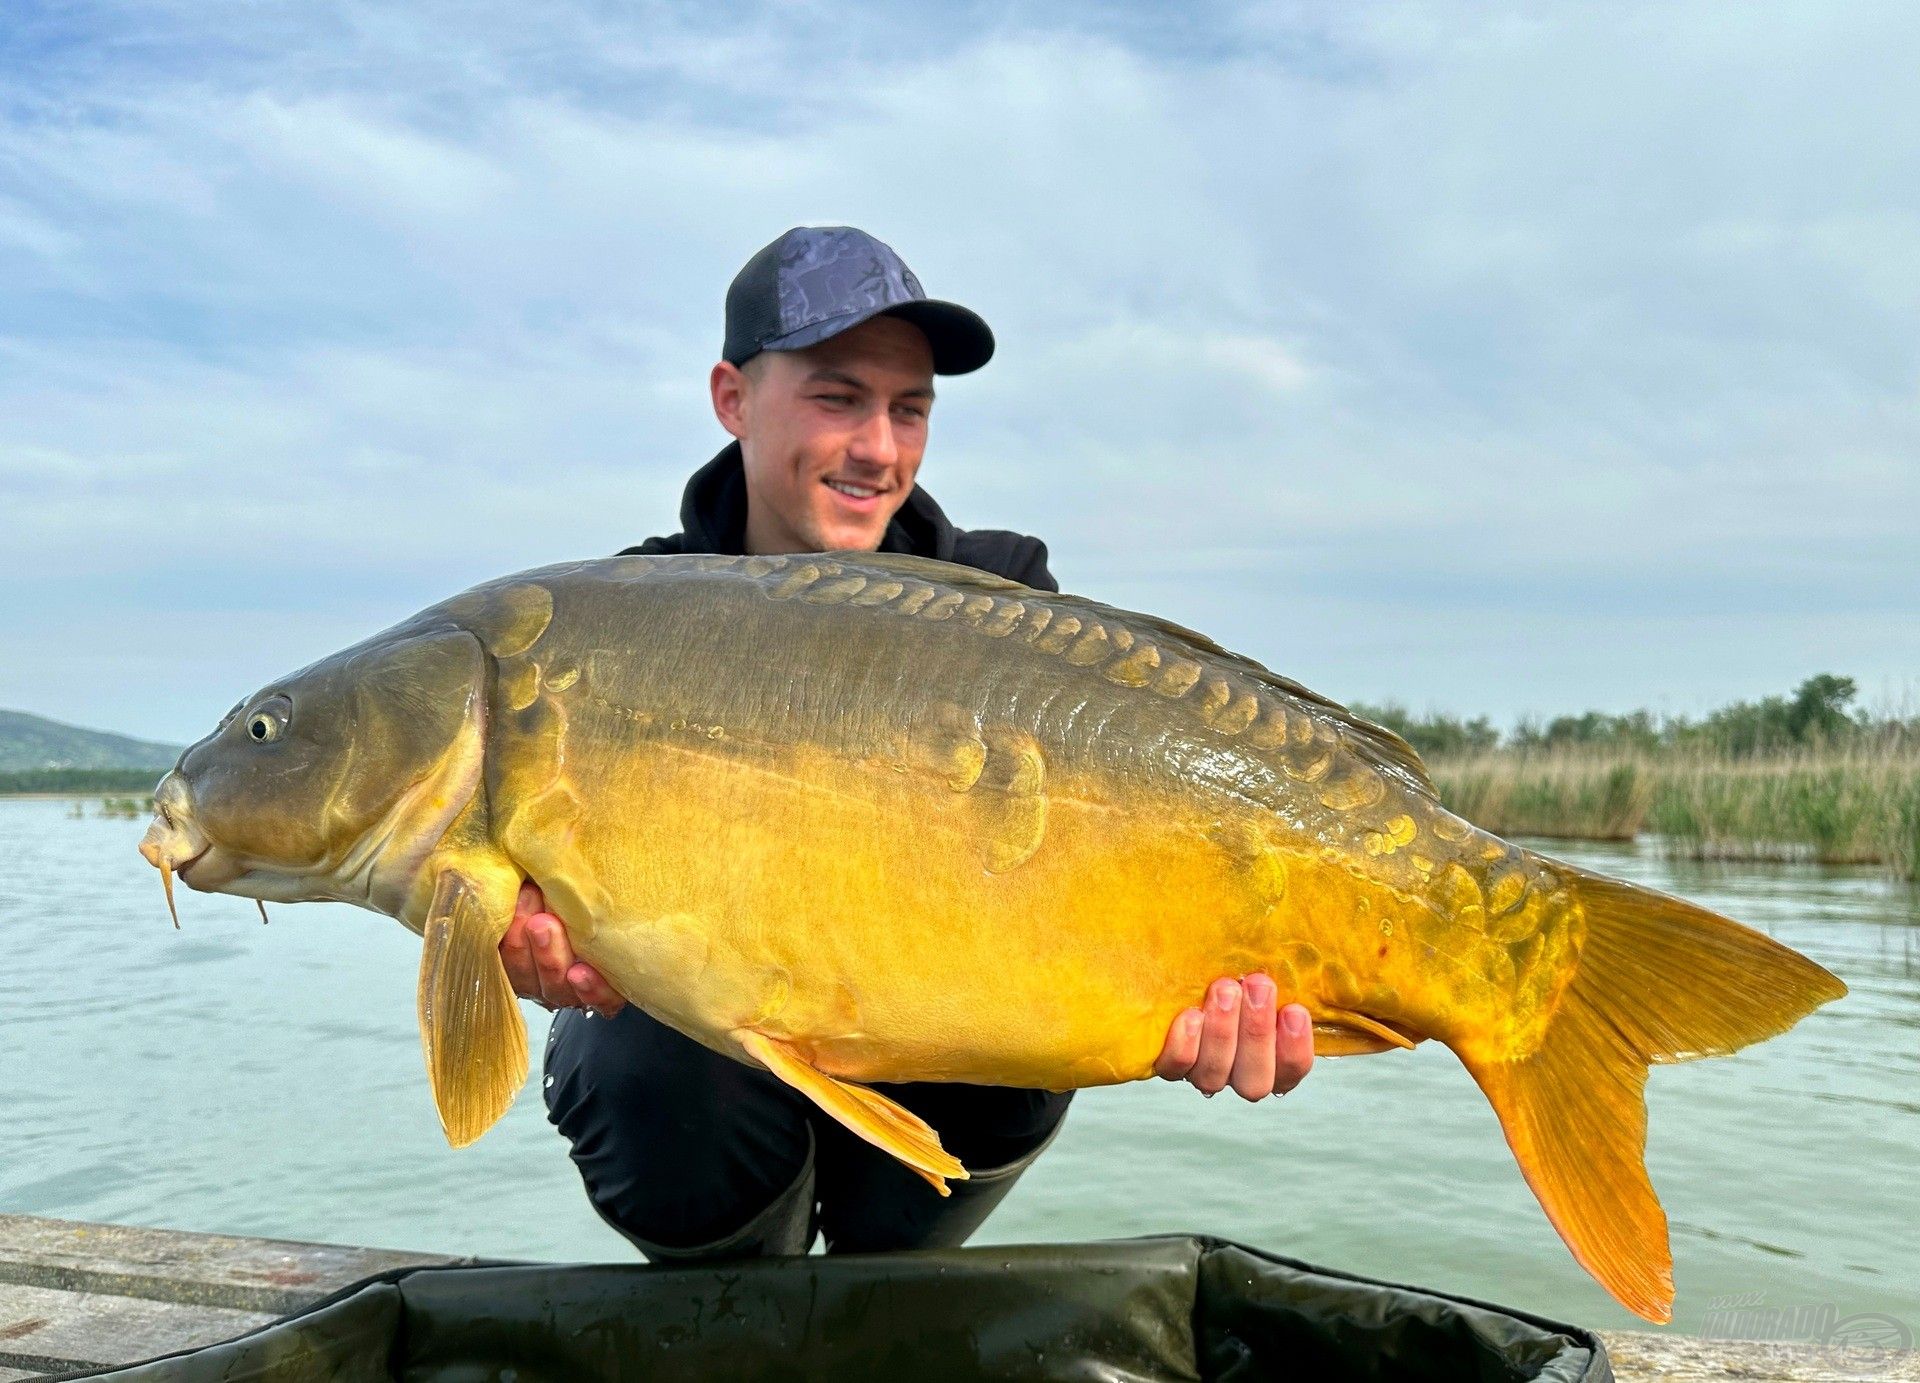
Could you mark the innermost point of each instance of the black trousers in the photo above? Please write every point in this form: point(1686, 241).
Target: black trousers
point(691, 1155)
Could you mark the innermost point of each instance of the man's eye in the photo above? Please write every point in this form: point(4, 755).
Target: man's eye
point(912, 412)
point(834, 398)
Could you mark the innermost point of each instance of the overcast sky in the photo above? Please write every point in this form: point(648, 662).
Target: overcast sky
point(1496, 358)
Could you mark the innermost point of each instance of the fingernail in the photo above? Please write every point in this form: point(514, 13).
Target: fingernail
point(577, 975)
point(1193, 1023)
point(1223, 996)
point(542, 933)
point(1294, 1019)
point(1259, 993)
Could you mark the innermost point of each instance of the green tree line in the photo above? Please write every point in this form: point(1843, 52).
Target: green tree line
point(1820, 712)
point(79, 780)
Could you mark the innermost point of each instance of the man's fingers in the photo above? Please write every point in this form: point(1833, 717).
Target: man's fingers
point(516, 947)
point(1253, 1059)
point(540, 963)
point(593, 991)
point(1219, 1035)
point(552, 957)
point(1293, 1048)
point(1182, 1046)
point(516, 954)
point(1239, 1039)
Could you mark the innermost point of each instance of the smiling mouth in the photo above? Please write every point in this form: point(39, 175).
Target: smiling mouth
point(856, 491)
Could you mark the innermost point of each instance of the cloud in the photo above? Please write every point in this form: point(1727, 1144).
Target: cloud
point(1373, 340)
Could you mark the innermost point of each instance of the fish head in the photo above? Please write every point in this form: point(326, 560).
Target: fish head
point(333, 783)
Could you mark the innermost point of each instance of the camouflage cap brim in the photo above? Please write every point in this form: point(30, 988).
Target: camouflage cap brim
point(961, 340)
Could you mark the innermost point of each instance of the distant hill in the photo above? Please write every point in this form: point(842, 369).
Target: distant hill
point(29, 742)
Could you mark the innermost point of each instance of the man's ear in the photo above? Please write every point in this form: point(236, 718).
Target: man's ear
point(728, 384)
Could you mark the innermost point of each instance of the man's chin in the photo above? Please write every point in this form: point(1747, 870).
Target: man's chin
point(843, 537)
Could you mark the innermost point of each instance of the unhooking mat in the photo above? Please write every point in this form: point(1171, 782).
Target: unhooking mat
point(1125, 1311)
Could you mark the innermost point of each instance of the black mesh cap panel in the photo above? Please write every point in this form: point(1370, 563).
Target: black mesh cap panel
point(817, 281)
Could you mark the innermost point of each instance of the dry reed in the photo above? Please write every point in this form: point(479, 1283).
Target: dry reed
point(1854, 804)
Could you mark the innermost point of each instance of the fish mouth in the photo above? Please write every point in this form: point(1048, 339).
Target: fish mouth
point(173, 843)
point(180, 869)
point(160, 858)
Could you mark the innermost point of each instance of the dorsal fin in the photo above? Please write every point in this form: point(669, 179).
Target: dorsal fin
point(930, 569)
point(1376, 744)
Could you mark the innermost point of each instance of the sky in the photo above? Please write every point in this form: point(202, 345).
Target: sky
point(1495, 358)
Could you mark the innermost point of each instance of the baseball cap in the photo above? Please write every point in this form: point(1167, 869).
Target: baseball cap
point(816, 281)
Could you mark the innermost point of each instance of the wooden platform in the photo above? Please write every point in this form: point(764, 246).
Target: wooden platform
point(1644, 1357)
point(86, 1296)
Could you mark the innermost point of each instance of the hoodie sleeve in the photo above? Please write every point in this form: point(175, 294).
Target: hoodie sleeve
point(1032, 566)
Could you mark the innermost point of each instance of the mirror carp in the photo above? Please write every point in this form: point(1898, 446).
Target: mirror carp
point(857, 817)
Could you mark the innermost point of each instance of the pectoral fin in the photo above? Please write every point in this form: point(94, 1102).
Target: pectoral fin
point(470, 1026)
point(868, 1113)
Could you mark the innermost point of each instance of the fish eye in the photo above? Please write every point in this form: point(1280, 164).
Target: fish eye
point(269, 722)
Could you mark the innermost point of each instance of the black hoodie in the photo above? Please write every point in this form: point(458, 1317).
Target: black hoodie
point(713, 518)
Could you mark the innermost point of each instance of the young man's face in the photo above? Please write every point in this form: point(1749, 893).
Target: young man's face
point(832, 435)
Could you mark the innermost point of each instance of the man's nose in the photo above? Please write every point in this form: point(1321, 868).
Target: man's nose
point(873, 441)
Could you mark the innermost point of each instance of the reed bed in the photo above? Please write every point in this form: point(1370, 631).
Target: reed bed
point(1843, 805)
point(1575, 795)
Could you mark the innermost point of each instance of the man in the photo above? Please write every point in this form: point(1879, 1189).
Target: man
point(826, 383)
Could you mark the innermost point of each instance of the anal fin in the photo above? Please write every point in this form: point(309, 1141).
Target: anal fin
point(1341, 1032)
point(871, 1115)
point(471, 1032)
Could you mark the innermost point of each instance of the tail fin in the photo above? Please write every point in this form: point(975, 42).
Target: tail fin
point(1659, 980)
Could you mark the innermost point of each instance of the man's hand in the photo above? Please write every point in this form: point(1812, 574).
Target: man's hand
point(1239, 1041)
point(541, 966)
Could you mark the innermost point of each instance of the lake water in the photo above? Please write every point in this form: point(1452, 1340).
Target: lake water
point(267, 1080)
